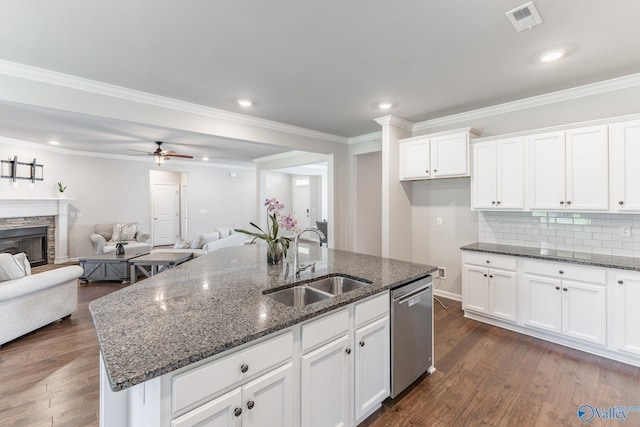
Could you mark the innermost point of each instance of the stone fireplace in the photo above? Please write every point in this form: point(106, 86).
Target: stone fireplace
point(22, 220)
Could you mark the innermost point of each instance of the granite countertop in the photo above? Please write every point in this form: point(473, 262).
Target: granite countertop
point(608, 261)
point(215, 302)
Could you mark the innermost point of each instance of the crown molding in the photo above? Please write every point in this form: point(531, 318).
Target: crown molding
point(79, 83)
point(610, 85)
point(395, 121)
point(366, 138)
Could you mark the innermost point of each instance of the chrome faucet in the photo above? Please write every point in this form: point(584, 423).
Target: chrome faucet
point(297, 268)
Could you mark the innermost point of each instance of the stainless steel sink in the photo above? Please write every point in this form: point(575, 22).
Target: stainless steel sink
point(298, 296)
point(337, 285)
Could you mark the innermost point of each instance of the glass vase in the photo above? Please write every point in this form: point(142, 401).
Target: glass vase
point(274, 253)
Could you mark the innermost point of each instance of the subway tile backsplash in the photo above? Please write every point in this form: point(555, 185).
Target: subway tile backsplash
point(598, 233)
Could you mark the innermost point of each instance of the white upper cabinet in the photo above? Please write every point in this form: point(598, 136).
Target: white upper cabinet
point(434, 156)
point(570, 170)
point(497, 181)
point(415, 159)
point(625, 172)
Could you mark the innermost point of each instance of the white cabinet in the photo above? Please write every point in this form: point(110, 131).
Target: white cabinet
point(434, 156)
point(566, 300)
point(415, 159)
point(489, 285)
point(345, 365)
point(372, 366)
point(570, 170)
point(225, 411)
point(625, 173)
point(497, 179)
point(625, 310)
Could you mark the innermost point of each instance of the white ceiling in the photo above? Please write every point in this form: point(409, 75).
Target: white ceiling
point(321, 65)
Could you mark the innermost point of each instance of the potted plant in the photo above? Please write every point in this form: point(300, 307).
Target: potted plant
point(276, 246)
point(61, 189)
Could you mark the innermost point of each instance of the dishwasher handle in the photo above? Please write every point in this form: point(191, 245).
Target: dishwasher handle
point(417, 292)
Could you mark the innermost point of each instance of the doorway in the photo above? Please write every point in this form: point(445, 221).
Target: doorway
point(166, 215)
point(302, 202)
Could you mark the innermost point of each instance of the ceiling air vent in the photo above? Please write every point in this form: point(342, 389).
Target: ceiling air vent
point(524, 17)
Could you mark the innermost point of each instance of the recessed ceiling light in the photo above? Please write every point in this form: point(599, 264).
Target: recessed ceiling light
point(245, 102)
point(205, 158)
point(54, 143)
point(384, 105)
point(552, 55)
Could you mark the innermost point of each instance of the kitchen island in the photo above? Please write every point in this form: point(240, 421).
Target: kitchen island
point(211, 307)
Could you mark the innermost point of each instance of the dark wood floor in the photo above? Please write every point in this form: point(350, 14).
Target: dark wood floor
point(485, 376)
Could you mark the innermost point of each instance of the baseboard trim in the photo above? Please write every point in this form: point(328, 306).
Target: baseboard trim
point(445, 294)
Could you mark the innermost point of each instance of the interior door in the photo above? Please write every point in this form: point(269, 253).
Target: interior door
point(301, 206)
point(165, 214)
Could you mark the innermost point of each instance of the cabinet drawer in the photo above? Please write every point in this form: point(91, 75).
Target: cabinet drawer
point(490, 260)
point(206, 381)
point(371, 309)
point(566, 271)
point(323, 330)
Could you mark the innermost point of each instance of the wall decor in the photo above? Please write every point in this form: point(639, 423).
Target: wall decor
point(13, 169)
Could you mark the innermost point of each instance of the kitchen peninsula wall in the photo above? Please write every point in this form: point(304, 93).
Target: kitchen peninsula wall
point(597, 233)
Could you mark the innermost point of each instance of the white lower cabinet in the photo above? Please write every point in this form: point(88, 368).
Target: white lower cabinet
point(325, 384)
point(372, 367)
point(625, 304)
point(224, 411)
point(490, 290)
point(567, 300)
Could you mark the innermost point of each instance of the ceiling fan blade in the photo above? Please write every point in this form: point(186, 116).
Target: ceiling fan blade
point(182, 156)
point(139, 151)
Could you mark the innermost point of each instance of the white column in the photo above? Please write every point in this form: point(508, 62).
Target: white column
point(396, 195)
point(62, 247)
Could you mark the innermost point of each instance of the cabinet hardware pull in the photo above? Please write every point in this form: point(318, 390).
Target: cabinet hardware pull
point(237, 412)
point(493, 202)
point(621, 202)
point(361, 343)
point(435, 170)
point(557, 288)
point(348, 351)
point(565, 289)
point(488, 262)
point(561, 202)
point(620, 282)
point(485, 275)
point(251, 404)
point(491, 276)
point(568, 202)
point(426, 171)
point(244, 368)
point(561, 272)
point(498, 201)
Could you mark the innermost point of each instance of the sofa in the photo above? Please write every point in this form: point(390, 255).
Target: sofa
point(105, 237)
point(28, 302)
point(222, 237)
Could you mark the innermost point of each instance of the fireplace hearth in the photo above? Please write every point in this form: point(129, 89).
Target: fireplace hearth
point(30, 240)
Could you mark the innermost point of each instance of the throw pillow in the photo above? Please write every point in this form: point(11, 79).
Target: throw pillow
point(182, 244)
point(9, 268)
point(224, 232)
point(116, 235)
point(129, 231)
point(196, 243)
point(210, 237)
point(105, 230)
point(23, 262)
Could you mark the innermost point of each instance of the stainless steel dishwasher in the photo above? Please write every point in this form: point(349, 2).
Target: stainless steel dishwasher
point(411, 333)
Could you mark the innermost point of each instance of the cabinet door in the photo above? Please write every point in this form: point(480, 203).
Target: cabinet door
point(502, 294)
point(449, 155)
point(547, 171)
point(626, 301)
point(510, 174)
point(268, 401)
point(414, 159)
point(483, 177)
point(584, 311)
point(224, 411)
point(587, 177)
point(324, 385)
point(475, 288)
point(625, 173)
point(543, 303)
point(372, 362)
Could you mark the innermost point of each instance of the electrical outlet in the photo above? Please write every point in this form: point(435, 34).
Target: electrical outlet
point(439, 220)
point(442, 273)
point(625, 231)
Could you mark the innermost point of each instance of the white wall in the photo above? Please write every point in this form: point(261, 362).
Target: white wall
point(117, 190)
point(368, 204)
point(279, 185)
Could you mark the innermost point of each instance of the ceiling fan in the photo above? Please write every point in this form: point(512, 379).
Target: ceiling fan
point(160, 155)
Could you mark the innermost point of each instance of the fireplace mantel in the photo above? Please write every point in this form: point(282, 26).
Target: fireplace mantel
point(57, 207)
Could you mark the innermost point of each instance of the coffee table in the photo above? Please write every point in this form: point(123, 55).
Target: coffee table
point(156, 263)
point(109, 266)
